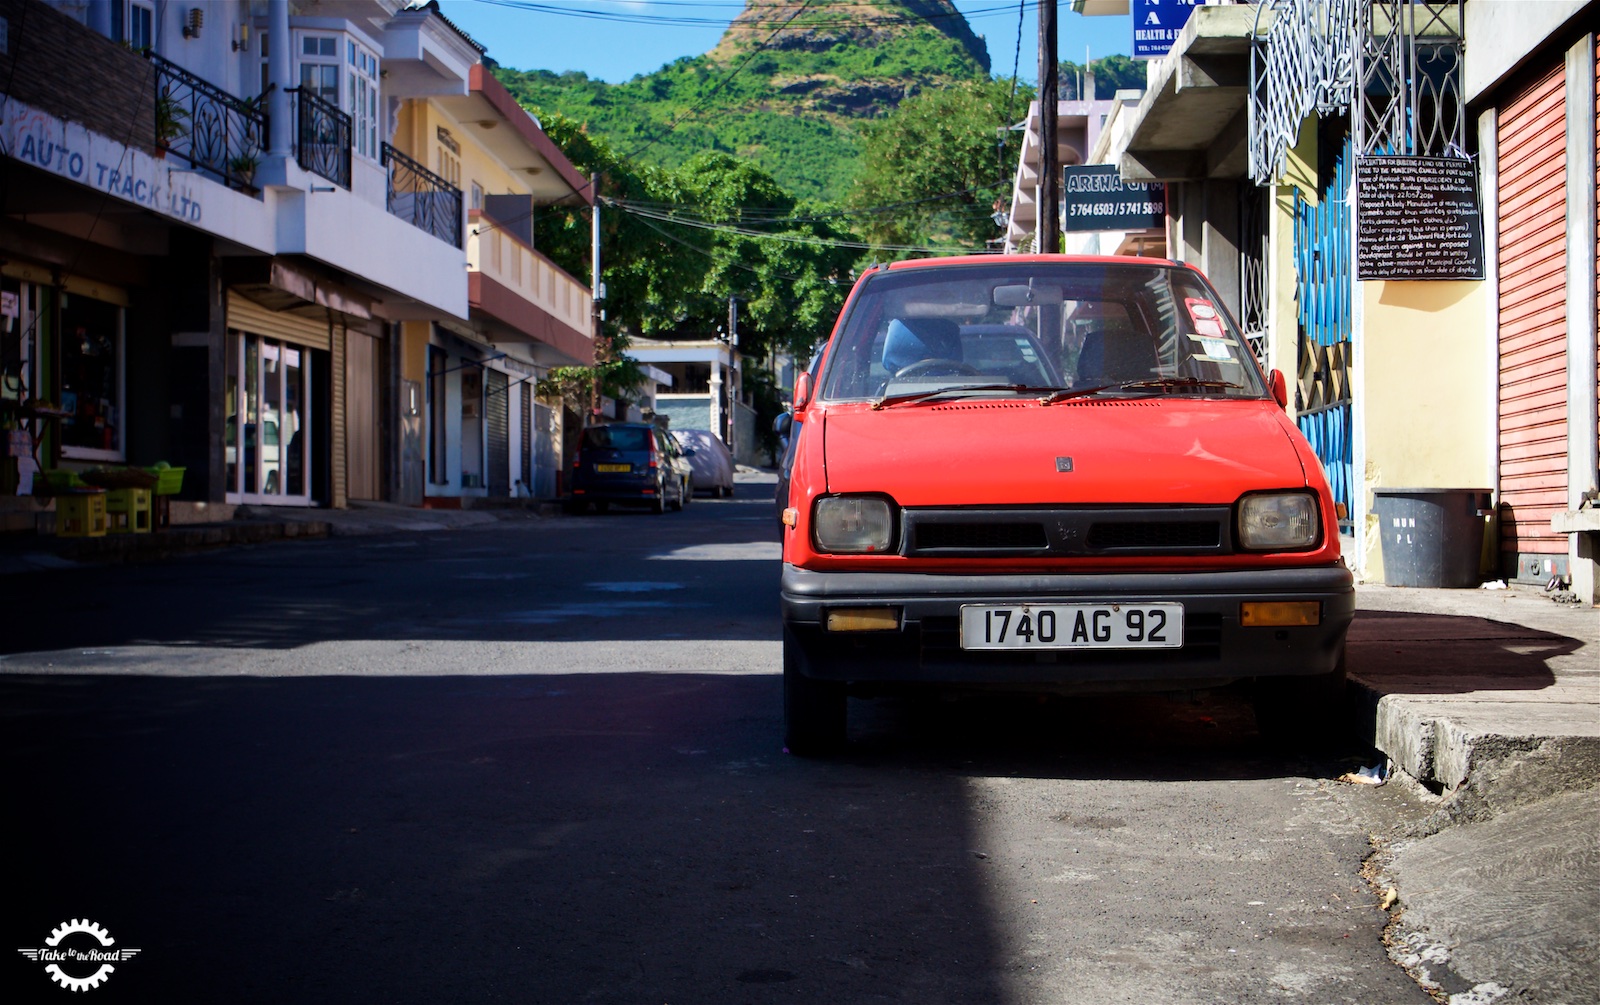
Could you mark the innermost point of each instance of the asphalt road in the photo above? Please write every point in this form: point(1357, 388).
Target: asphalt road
point(541, 762)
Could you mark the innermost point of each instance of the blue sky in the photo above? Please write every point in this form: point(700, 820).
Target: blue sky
point(575, 34)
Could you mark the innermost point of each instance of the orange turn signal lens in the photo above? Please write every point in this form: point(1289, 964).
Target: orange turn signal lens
point(791, 516)
point(864, 619)
point(1280, 614)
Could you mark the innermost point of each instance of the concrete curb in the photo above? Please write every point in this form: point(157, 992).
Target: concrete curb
point(1489, 700)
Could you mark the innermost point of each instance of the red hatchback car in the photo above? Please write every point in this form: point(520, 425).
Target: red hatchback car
point(1053, 471)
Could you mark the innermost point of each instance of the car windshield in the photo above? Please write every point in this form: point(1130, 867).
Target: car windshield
point(1008, 328)
point(616, 438)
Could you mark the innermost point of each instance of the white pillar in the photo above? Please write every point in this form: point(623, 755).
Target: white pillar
point(1581, 418)
point(280, 66)
point(716, 397)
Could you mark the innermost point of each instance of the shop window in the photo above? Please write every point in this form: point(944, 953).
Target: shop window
point(91, 378)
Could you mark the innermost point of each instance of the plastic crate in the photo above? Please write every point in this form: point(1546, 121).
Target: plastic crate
point(57, 481)
point(128, 511)
point(169, 481)
point(81, 514)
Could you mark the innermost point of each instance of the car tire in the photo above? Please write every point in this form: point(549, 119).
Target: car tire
point(685, 494)
point(814, 711)
point(658, 505)
point(1304, 714)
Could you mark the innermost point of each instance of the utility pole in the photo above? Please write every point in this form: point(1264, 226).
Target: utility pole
point(1049, 170)
point(598, 291)
point(733, 384)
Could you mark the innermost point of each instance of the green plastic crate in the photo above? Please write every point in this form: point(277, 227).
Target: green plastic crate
point(169, 481)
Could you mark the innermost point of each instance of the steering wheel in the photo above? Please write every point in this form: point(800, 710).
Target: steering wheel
point(936, 368)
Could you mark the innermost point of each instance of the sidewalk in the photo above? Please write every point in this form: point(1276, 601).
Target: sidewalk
point(22, 553)
point(1491, 697)
point(1491, 701)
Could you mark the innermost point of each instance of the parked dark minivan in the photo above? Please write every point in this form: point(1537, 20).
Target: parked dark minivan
point(629, 462)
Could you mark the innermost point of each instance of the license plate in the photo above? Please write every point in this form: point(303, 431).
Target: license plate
point(613, 469)
point(1072, 626)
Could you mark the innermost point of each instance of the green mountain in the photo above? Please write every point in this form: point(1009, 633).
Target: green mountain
point(789, 86)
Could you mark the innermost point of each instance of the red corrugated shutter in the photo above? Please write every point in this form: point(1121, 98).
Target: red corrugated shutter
point(1533, 327)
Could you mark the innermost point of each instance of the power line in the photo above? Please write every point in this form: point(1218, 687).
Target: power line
point(784, 238)
point(821, 18)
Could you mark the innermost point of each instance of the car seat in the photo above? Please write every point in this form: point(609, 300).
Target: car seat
point(911, 340)
point(1116, 355)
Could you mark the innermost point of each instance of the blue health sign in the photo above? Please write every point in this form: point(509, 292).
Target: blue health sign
point(1156, 24)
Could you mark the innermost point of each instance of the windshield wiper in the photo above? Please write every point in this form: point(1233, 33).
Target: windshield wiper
point(901, 399)
point(1177, 382)
point(1067, 393)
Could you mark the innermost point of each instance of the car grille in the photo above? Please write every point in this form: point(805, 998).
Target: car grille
point(1068, 531)
point(1147, 536)
point(981, 537)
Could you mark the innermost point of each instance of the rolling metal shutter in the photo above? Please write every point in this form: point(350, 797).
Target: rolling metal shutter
point(499, 432)
point(361, 415)
point(1532, 323)
point(248, 316)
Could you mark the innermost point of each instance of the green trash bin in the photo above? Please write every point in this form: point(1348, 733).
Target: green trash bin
point(1432, 537)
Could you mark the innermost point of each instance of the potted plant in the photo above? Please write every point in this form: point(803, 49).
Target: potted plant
point(242, 168)
point(170, 121)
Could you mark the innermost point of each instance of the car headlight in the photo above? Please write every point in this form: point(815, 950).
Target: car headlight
point(853, 525)
point(1282, 521)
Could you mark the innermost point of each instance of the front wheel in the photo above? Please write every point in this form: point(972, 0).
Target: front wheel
point(814, 711)
point(1307, 713)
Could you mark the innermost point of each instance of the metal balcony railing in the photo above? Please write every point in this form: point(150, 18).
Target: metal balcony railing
point(322, 137)
point(215, 132)
point(423, 198)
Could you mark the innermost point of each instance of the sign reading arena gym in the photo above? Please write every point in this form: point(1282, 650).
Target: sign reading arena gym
point(1418, 218)
point(1094, 197)
point(72, 151)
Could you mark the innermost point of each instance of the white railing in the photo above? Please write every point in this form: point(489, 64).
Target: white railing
point(498, 254)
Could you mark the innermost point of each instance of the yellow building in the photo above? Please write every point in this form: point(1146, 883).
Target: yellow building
point(471, 424)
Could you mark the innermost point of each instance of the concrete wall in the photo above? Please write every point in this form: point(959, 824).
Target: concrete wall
point(1427, 394)
point(1502, 33)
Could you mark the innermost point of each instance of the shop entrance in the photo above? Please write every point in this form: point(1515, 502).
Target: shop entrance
point(268, 433)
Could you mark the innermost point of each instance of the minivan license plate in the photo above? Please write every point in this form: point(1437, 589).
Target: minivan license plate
point(1072, 626)
point(613, 469)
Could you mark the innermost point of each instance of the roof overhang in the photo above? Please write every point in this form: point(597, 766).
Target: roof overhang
point(1193, 122)
point(508, 132)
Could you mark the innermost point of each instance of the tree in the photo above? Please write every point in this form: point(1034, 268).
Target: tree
point(932, 170)
point(1111, 74)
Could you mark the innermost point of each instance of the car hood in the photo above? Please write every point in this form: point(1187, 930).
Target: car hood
point(1100, 451)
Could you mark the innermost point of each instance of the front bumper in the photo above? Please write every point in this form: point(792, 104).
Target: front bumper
point(927, 647)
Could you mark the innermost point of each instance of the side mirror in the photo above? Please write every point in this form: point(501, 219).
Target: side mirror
point(781, 424)
point(802, 392)
point(688, 451)
point(1280, 389)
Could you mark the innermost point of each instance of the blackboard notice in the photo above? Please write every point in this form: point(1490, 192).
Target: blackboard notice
point(1418, 218)
point(1094, 197)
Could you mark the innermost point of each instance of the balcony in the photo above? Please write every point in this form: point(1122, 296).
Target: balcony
point(322, 137)
point(422, 198)
point(532, 297)
point(215, 132)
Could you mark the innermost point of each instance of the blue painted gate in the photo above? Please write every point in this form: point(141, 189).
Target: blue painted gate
point(1323, 288)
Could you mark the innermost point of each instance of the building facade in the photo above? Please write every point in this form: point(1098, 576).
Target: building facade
point(223, 248)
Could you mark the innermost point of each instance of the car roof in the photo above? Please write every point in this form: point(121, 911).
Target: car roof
point(957, 260)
